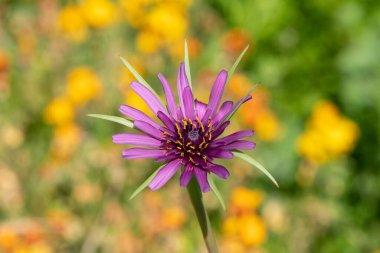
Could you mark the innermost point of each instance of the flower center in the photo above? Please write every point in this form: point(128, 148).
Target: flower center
point(193, 135)
point(190, 141)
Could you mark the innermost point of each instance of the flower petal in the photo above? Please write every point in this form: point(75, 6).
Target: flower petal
point(200, 108)
point(186, 175)
point(219, 170)
point(201, 176)
point(224, 110)
point(232, 137)
point(220, 153)
point(148, 129)
point(170, 100)
point(235, 108)
point(135, 139)
point(134, 153)
point(220, 130)
point(182, 83)
point(165, 174)
point(241, 144)
point(217, 91)
point(166, 120)
point(150, 98)
point(188, 102)
point(136, 114)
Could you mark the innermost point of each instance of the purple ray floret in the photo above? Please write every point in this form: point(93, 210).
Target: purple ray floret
point(188, 136)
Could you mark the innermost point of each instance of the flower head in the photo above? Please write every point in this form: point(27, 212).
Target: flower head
point(190, 134)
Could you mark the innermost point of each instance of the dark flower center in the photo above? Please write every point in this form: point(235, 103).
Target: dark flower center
point(193, 135)
point(190, 141)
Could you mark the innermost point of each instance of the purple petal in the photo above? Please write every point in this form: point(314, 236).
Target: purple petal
point(224, 110)
point(135, 139)
point(201, 176)
point(219, 170)
point(188, 102)
point(220, 130)
point(200, 108)
point(186, 175)
point(217, 91)
point(182, 83)
point(232, 137)
point(239, 145)
point(136, 114)
point(134, 153)
point(166, 120)
point(206, 116)
point(165, 174)
point(220, 153)
point(148, 129)
point(179, 113)
point(150, 99)
point(170, 101)
point(237, 105)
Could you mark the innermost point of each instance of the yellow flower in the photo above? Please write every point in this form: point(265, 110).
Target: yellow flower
point(59, 111)
point(169, 21)
point(72, 23)
point(98, 13)
point(267, 126)
point(231, 226)
point(328, 135)
point(245, 200)
point(83, 85)
point(8, 239)
point(135, 10)
point(148, 42)
point(252, 230)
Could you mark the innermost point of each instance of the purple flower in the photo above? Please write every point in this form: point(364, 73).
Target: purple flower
point(189, 136)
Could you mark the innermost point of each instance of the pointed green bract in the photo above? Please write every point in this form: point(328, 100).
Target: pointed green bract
point(216, 191)
point(232, 70)
point(119, 120)
point(187, 65)
point(255, 163)
point(235, 110)
point(144, 184)
point(139, 78)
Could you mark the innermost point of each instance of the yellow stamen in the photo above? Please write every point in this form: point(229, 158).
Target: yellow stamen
point(200, 123)
point(182, 154)
point(184, 123)
point(192, 147)
point(188, 144)
point(191, 160)
point(178, 131)
point(204, 158)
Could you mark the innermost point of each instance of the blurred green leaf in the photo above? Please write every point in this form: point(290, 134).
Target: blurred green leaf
point(187, 64)
point(255, 163)
point(144, 184)
point(119, 120)
point(232, 70)
point(139, 77)
point(216, 191)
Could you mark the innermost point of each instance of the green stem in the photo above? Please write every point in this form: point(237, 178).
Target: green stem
point(204, 222)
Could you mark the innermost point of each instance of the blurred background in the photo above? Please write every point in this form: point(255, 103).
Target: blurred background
point(64, 186)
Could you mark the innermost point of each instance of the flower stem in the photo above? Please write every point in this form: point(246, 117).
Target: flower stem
point(204, 222)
